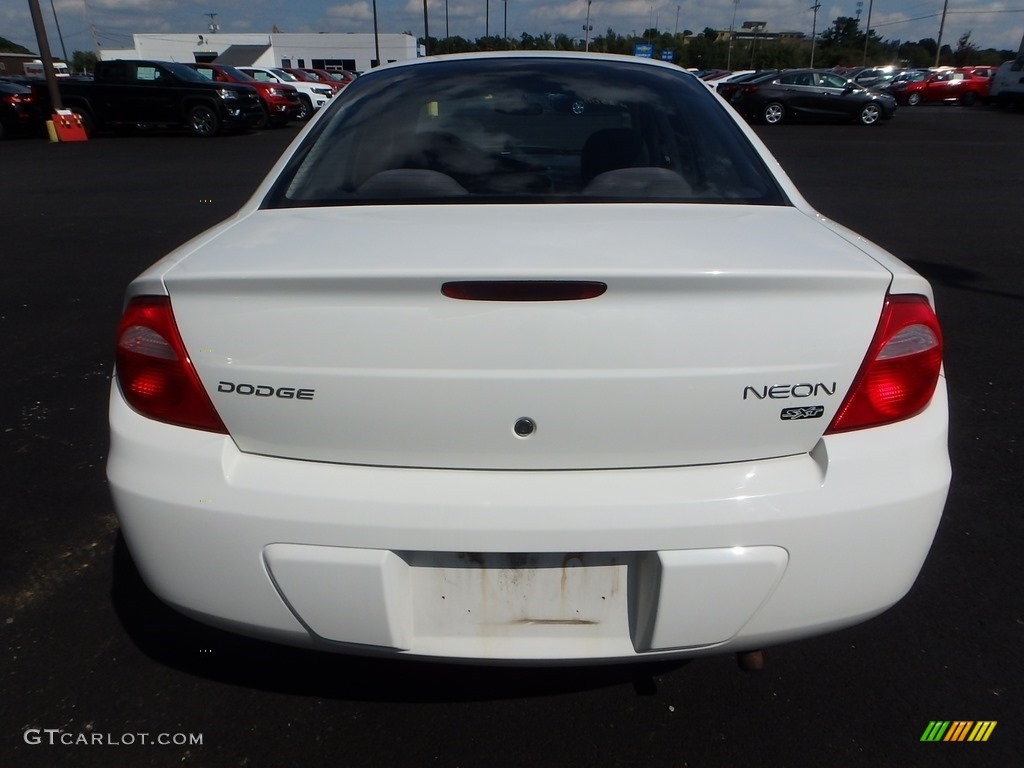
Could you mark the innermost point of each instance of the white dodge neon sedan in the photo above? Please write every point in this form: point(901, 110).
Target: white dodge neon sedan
point(565, 370)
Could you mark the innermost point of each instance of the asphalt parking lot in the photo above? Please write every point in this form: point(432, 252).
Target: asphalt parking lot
point(90, 653)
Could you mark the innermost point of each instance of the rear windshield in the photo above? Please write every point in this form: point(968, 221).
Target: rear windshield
point(525, 130)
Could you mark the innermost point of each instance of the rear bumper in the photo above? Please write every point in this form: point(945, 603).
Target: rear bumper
point(530, 566)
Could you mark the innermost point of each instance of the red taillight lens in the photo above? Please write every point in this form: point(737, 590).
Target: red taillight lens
point(898, 376)
point(154, 371)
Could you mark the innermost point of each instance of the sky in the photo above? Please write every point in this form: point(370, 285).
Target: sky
point(992, 23)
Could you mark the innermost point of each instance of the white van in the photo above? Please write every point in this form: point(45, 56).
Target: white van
point(35, 69)
point(1006, 88)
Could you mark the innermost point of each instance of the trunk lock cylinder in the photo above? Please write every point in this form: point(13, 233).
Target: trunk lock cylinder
point(524, 427)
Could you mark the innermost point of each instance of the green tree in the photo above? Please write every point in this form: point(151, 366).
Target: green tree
point(778, 55)
point(611, 42)
point(839, 43)
point(842, 43)
point(7, 46)
point(564, 43)
point(528, 42)
point(457, 44)
point(966, 52)
point(844, 33)
point(930, 46)
point(494, 43)
point(915, 55)
point(83, 61)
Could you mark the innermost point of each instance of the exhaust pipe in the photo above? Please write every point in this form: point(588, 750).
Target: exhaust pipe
point(750, 661)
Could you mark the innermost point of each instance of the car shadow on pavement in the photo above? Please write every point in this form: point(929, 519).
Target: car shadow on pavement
point(960, 278)
point(180, 643)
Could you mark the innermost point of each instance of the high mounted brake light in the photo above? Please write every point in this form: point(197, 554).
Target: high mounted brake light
point(523, 290)
point(154, 372)
point(898, 376)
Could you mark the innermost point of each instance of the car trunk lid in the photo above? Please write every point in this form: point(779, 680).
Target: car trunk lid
point(723, 333)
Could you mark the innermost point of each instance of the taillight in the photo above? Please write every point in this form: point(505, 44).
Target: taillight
point(154, 371)
point(898, 376)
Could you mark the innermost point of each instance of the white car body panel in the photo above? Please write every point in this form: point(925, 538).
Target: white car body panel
point(1007, 83)
point(661, 509)
point(204, 522)
point(404, 376)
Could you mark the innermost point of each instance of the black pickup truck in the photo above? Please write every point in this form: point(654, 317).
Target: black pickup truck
point(152, 93)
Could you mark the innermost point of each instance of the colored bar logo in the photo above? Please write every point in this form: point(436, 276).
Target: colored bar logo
point(958, 730)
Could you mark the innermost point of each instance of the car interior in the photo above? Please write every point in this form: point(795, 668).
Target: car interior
point(543, 144)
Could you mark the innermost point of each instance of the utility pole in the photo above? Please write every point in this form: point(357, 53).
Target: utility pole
point(426, 30)
point(942, 25)
point(59, 33)
point(44, 54)
point(92, 30)
point(376, 35)
point(867, 34)
point(732, 33)
point(587, 28)
point(814, 30)
point(757, 26)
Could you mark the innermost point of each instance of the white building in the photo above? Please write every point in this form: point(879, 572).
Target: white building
point(327, 50)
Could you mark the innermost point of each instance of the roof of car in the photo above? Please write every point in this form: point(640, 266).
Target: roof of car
point(611, 58)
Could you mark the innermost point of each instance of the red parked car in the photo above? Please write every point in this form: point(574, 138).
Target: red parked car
point(280, 102)
point(338, 76)
point(965, 86)
point(311, 77)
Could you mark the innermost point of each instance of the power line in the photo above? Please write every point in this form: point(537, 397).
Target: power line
point(936, 15)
